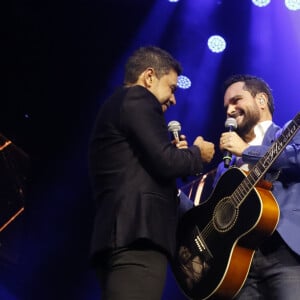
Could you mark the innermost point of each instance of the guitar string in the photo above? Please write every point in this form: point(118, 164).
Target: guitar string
point(249, 182)
point(236, 198)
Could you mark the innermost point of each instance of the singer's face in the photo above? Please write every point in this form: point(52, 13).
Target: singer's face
point(164, 89)
point(242, 106)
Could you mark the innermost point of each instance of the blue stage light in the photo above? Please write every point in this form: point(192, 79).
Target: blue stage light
point(261, 3)
point(216, 43)
point(292, 4)
point(183, 82)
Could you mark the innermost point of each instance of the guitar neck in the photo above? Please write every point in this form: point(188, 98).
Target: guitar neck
point(262, 166)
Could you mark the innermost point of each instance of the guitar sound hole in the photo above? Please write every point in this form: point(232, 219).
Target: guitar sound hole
point(225, 215)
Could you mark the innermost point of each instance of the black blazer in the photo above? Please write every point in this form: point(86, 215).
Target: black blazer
point(133, 168)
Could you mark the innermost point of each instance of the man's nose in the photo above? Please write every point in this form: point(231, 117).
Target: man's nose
point(172, 99)
point(231, 110)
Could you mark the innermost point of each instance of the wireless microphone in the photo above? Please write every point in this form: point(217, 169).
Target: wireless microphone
point(231, 125)
point(174, 128)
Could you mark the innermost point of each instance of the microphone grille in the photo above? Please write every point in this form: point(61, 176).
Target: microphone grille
point(174, 126)
point(231, 122)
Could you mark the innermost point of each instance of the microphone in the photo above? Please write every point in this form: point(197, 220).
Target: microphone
point(231, 125)
point(174, 128)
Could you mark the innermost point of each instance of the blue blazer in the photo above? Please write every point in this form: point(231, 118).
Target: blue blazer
point(286, 188)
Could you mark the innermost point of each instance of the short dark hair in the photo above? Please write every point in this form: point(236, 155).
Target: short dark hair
point(150, 56)
point(253, 85)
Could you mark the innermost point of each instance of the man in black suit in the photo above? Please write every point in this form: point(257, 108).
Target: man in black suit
point(133, 168)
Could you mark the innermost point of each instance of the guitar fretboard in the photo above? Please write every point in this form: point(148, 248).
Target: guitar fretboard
point(262, 166)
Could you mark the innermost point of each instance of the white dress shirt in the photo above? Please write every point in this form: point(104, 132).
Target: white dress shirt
point(259, 130)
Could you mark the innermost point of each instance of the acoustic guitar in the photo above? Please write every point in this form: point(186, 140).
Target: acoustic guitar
point(217, 239)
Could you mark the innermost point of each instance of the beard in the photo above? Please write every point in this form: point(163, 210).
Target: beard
point(250, 119)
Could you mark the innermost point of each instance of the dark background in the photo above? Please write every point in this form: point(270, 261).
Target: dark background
point(60, 60)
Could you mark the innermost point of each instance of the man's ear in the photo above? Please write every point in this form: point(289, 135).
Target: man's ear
point(148, 77)
point(261, 99)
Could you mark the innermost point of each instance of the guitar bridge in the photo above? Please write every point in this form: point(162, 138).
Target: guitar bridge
point(201, 245)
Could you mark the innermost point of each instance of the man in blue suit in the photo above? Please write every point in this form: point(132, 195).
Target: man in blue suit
point(275, 269)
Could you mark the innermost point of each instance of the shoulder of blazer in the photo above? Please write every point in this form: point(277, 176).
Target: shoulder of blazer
point(270, 135)
point(139, 99)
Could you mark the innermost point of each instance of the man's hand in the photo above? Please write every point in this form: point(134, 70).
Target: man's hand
point(182, 143)
point(232, 142)
point(207, 149)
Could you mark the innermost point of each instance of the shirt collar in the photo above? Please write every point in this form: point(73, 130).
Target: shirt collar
point(260, 131)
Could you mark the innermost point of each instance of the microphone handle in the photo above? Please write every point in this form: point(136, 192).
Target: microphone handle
point(175, 135)
point(227, 156)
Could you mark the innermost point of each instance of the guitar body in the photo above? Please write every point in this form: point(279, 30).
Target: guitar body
point(218, 238)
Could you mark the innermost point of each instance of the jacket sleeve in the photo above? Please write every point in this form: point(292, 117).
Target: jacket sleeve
point(144, 123)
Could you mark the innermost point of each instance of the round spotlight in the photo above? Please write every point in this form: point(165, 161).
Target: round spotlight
point(183, 82)
point(261, 3)
point(292, 4)
point(216, 43)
